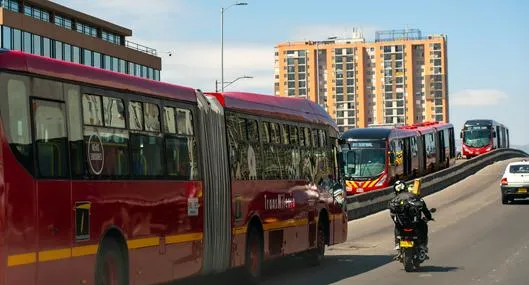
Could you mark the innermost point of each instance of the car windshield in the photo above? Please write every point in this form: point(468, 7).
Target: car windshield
point(476, 138)
point(519, 169)
point(367, 162)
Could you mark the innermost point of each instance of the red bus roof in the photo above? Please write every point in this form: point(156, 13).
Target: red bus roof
point(296, 109)
point(426, 127)
point(23, 62)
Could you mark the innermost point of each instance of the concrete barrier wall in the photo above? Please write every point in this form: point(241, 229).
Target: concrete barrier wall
point(362, 205)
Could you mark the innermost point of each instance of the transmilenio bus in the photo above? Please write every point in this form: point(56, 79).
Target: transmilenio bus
point(482, 136)
point(107, 178)
point(376, 157)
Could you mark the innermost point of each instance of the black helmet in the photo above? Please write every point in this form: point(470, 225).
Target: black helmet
point(399, 186)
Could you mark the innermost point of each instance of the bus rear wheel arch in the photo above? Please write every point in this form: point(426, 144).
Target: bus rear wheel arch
point(112, 261)
point(315, 255)
point(254, 253)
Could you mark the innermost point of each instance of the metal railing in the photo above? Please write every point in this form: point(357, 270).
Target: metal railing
point(141, 48)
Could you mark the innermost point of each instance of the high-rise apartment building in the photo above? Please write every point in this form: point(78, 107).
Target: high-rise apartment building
point(400, 78)
point(45, 28)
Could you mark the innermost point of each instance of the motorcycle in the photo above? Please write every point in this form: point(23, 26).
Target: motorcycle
point(411, 254)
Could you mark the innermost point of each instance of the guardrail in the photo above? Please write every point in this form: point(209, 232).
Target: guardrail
point(362, 205)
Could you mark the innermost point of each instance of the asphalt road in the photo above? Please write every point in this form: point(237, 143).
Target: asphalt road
point(474, 240)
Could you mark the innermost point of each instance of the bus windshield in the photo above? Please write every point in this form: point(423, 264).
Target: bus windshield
point(364, 162)
point(476, 138)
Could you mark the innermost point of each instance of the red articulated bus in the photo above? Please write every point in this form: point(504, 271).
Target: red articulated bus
point(107, 178)
point(482, 136)
point(374, 158)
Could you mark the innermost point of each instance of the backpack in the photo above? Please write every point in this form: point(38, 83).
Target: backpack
point(406, 211)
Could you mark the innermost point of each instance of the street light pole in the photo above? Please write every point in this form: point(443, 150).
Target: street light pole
point(236, 79)
point(222, 40)
point(222, 48)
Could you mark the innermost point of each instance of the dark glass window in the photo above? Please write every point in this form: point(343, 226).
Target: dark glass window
point(293, 135)
point(181, 157)
point(51, 139)
point(147, 154)
point(114, 112)
point(14, 105)
point(184, 122)
point(135, 116)
point(92, 110)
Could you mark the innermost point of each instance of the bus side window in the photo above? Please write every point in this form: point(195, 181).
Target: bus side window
point(302, 136)
point(265, 132)
point(51, 139)
point(75, 130)
point(253, 131)
point(293, 135)
point(14, 104)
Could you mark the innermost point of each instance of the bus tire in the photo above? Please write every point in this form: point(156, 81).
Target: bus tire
point(253, 262)
point(315, 255)
point(110, 264)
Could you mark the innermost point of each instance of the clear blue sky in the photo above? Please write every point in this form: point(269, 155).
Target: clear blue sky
point(488, 41)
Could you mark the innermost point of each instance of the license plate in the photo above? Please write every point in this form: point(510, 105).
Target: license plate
point(360, 190)
point(522, 190)
point(406, 243)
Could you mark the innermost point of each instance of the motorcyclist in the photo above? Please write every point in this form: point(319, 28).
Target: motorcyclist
point(403, 197)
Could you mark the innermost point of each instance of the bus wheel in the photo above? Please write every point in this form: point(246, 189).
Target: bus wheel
point(315, 256)
point(110, 265)
point(254, 256)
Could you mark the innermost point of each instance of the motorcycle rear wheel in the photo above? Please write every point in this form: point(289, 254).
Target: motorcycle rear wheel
point(407, 258)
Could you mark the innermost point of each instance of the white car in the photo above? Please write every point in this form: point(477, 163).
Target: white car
point(515, 181)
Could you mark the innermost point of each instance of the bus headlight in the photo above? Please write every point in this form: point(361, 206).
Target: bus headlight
point(382, 180)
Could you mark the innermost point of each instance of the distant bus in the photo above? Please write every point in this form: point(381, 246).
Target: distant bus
point(374, 158)
point(481, 136)
point(106, 178)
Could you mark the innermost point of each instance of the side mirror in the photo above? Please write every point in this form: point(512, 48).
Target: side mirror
point(494, 134)
point(461, 135)
point(433, 210)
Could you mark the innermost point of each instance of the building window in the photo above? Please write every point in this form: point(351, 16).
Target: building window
point(6, 38)
point(144, 71)
point(150, 75)
point(37, 47)
point(67, 52)
point(46, 47)
point(157, 75)
point(17, 39)
point(10, 5)
point(58, 50)
point(97, 60)
point(76, 56)
point(27, 42)
point(63, 22)
point(86, 29)
point(132, 68)
point(115, 64)
point(108, 62)
point(122, 66)
point(87, 57)
point(36, 13)
point(111, 38)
